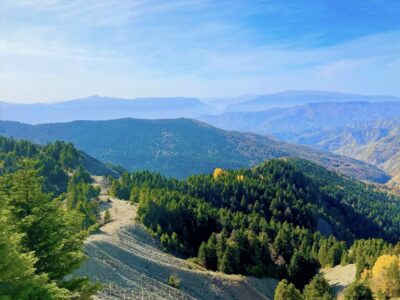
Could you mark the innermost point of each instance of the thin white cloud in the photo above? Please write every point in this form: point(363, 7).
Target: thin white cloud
point(110, 47)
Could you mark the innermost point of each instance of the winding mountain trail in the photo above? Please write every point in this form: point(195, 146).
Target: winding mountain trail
point(131, 265)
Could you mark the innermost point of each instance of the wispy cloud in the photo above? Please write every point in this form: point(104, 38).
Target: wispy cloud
point(59, 49)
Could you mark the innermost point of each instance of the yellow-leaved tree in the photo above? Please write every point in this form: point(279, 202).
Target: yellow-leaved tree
point(218, 172)
point(240, 178)
point(385, 276)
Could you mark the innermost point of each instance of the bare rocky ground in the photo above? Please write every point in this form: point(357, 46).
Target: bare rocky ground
point(131, 265)
point(340, 277)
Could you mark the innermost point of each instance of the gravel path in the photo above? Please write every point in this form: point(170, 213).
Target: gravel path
point(131, 265)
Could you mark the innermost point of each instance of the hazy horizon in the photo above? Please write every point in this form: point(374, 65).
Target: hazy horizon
point(206, 100)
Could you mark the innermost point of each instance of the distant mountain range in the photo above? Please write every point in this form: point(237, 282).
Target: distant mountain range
point(288, 122)
point(104, 108)
point(376, 142)
point(294, 98)
point(107, 108)
point(221, 103)
point(362, 130)
point(180, 147)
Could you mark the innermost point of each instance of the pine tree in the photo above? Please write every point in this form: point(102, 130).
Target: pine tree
point(211, 253)
point(318, 288)
point(203, 254)
point(230, 260)
point(17, 272)
point(282, 244)
point(301, 269)
point(51, 232)
point(357, 291)
point(221, 245)
point(287, 291)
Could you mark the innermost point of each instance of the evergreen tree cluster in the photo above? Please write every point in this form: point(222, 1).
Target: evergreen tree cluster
point(41, 236)
point(264, 221)
point(40, 242)
point(52, 160)
point(362, 207)
point(364, 253)
point(80, 195)
point(317, 289)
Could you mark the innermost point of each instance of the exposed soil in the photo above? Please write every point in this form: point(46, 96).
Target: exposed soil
point(340, 277)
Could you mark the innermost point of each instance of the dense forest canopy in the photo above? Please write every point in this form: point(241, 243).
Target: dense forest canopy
point(292, 190)
point(284, 218)
point(52, 160)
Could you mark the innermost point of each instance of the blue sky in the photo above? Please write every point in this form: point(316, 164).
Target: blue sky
point(53, 50)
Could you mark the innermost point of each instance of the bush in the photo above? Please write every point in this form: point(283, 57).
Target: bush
point(357, 291)
point(107, 217)
point(174, 281)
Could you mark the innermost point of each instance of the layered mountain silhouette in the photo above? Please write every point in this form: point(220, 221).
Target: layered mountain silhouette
point(104, 108)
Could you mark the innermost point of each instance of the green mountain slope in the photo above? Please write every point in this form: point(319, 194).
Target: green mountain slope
point(350, 208)
point(53, 160)
point(283, 218)
point(179, 147)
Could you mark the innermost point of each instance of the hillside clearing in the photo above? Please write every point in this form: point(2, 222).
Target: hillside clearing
point(132, 265)
point(340, 277)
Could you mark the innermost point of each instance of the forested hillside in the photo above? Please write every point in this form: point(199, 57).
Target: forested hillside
point(47, 208)
point(180, 147)
point(284, 218)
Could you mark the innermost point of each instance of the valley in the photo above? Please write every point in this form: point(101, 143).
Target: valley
point(231, 234)
point(198, 149)
point(366, 131)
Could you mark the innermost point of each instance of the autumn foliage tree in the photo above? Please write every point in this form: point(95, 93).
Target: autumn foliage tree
point(385, 276)
point(218, 172)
